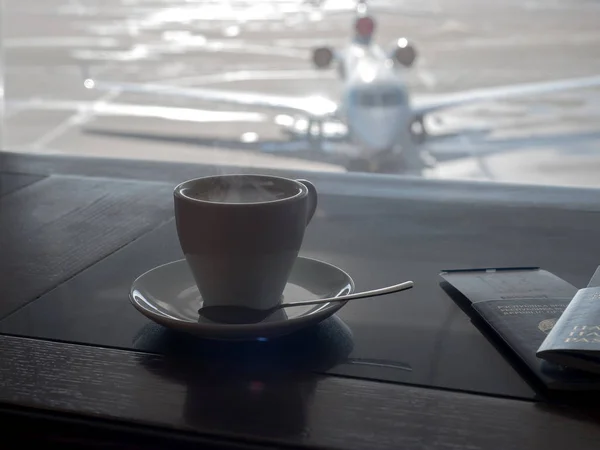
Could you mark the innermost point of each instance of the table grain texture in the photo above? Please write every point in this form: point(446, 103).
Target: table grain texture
point(127, 399)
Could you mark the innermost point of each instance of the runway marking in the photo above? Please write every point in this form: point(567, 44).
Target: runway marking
point(573, 39)
point(135, 53)
point(248, 75)
point(102, 104)
point(62, 41)
point(81, 117)
point(257, 49)
point(78, 118)
point(150, 50)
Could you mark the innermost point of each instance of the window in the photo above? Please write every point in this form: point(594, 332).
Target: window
point(234, 83)
point(392, 97)
point(368, 98)
point(379, 97)
point(504, 91)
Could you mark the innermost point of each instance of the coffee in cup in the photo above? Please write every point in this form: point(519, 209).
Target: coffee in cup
point(241, 235)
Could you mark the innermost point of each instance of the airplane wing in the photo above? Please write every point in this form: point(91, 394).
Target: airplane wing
point(467, 148)
point(133, 110)
point(314, 106)
point(427, 104)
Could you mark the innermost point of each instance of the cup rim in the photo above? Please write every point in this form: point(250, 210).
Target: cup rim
point(177, 192)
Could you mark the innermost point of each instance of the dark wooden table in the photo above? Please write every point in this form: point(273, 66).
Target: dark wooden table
point(69, 227)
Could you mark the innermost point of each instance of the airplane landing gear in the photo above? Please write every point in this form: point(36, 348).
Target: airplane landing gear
point(387, 162)
point(312, 130)
point(314, 133)
point(411, 161)
point(418, 131)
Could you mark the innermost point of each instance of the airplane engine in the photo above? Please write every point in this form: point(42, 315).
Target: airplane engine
point(322, 57)
point(404, 53)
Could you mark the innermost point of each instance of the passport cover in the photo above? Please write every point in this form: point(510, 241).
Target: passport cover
point(520, 306)
point(574, 341)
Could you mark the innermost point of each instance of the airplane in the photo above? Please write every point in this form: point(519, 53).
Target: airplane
point(382, 120)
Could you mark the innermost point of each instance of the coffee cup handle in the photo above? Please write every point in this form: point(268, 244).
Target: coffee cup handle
point(312, 199)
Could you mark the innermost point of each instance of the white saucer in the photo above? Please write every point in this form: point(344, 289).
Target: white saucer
point(168, 295)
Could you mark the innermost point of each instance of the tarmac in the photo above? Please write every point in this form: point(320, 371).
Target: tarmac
point(264, 46)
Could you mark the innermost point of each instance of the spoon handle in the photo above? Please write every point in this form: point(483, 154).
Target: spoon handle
point(364, 294)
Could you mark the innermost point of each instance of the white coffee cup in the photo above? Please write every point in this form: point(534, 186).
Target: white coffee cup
point(241, 235)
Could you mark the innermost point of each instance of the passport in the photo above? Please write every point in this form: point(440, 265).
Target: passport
point(518, 308)
point(574, 340)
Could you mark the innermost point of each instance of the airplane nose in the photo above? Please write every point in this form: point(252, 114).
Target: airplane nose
point(378, 130)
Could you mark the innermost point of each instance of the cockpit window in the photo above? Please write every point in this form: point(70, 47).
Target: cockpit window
point(392, 97)
point(380, 98)
point(367, 99)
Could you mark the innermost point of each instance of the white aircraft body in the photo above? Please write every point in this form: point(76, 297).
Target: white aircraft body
point(382, 119)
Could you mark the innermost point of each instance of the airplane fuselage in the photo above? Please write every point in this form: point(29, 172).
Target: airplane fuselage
point(374, 100)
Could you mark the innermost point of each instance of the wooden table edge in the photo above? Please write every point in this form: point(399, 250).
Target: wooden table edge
point(104, 388)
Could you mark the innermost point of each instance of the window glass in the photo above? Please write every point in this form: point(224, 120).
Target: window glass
point(382, 97)
point(392, 97)
point(500, 91)
point(368, 98)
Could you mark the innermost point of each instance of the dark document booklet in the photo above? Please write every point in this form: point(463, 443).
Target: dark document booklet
point(574, 341)
point(520, 307)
